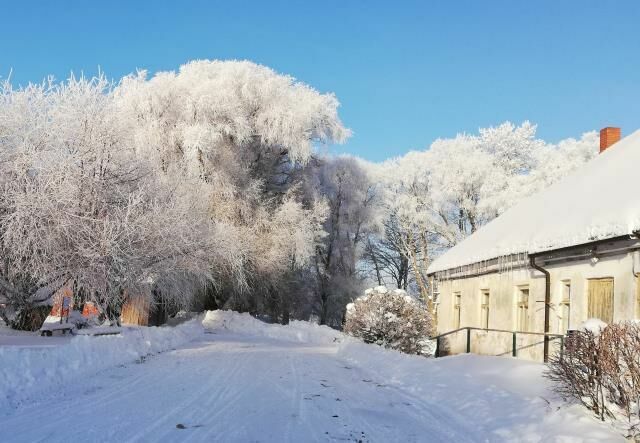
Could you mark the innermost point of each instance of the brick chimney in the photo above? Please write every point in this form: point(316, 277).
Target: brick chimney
point(608, 136)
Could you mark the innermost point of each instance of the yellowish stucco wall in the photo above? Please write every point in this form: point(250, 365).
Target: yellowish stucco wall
point(503, 288)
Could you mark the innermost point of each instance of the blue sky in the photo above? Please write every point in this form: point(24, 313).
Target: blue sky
point(405, 72)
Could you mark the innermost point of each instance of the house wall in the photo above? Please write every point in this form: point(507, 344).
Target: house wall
point(619, 267)
point(504, 287)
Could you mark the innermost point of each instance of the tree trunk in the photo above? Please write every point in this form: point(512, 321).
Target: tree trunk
point(424, 293)
point(324, 297)
point(285, 315)
point(376, 266)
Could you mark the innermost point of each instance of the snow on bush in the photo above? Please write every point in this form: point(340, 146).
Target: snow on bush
point(600, 368)
point(27, 371)
point(391, 319)
point(593, 325)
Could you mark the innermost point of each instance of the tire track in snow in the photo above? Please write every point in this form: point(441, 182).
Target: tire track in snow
point(238, 388)
point(212, 396)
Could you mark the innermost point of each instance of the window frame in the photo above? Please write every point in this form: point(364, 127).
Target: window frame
point(485, 308)
point(564, 323)
point(457, 309)
point(591, 286)
point(519, 303)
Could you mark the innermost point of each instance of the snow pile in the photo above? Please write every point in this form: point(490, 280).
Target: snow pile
point(598, 201)
point(295, 331)
point(27, 371)
point(498, 398)
point(593, 325)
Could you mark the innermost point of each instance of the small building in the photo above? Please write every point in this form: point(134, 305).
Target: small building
point(136, 311)
point(62, 300)
point(557, 258)
point(142, 309)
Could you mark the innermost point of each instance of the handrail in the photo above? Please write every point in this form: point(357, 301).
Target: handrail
point(514, 350)
point(448, 333)
point(473, 328)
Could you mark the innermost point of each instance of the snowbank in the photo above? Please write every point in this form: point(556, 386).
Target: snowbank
point(27, 371)
point(295, 331)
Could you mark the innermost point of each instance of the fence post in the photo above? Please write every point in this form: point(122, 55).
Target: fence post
point(514, 346)
point(437, 346)
point(468, 340)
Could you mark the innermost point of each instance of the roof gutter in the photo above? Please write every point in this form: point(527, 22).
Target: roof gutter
point(634, 235)
point(547, 303)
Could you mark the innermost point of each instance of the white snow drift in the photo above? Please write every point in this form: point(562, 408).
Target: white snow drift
point(26, 371)
point(249, 381)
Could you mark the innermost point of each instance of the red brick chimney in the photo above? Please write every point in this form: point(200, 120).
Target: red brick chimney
point(608, 136)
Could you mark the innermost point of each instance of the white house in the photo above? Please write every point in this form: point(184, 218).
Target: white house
point(559, 257)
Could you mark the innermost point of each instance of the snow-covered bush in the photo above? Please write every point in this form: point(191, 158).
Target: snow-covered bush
point(391, 319)
point(30, 318)
point(600, 368)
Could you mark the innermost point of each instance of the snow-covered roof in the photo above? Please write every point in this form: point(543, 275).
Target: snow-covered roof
point(599, 201)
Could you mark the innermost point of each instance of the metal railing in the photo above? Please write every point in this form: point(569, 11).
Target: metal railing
point(514, 341)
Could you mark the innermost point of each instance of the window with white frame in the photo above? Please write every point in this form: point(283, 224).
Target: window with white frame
point(435, 291)
point(457, 308)
point(522, 308)
point(484, 309)
point(564, 322)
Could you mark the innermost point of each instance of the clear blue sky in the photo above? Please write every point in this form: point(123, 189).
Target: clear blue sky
point(405, 72)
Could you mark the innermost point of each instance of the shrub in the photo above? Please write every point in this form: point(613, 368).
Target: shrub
point(601, 370)
point(391, 319)
point(30, 318)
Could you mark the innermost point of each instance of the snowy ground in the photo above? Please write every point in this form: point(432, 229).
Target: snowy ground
point(11, 337)
point(246, 381)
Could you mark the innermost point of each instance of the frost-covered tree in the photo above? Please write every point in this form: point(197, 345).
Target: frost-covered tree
point(434, 198)
point(244, 132)
point(81, 204)
point(353, 216)
point(162, 185)
point(206, 182)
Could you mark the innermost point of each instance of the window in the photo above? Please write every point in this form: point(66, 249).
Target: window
point(522, 309)
point(600, 303)
point(565, 308)
point(456, 309)
point(435, 291)
point(484, 309)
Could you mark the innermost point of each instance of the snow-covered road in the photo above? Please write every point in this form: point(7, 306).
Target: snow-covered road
point(236, 388)
point(246, 381)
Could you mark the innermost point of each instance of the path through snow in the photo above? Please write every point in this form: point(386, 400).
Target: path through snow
point(227, 386)
point(234, 388)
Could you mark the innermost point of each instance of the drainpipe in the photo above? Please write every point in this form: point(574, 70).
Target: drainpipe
point(635, 266)
point(547, 302)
